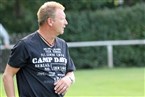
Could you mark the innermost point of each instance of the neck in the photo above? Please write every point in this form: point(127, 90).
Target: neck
point(47, 37)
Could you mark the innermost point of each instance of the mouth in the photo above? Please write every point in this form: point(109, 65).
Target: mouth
point(64, 26)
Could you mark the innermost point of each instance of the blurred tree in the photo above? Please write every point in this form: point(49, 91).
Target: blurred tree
point(20, 15)
point(132, 2)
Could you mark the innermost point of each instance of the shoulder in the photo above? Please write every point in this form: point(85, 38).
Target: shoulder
point(29, 39)
point(60, 40)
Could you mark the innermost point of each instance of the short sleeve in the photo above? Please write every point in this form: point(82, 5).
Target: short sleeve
point(70, 63)
point(19, 55)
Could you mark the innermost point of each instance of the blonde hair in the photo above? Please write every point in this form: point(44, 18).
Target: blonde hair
point(48, 10)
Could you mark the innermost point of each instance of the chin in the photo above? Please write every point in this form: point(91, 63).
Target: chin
point(61, 32)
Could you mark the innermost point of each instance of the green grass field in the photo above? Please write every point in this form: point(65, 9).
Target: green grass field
point(120, 82)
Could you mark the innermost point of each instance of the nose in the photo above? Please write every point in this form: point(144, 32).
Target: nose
point(66, 23)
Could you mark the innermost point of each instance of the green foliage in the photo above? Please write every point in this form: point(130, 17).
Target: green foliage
point(119, 24)
point(128, 56)
point(122, 23)
point(89, 20)
point(19, 15)
point(79, 5)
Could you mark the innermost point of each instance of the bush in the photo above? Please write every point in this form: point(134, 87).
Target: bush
point(119, 24)
point(108, 24)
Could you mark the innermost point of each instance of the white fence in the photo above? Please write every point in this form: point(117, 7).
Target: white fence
point(108, 44)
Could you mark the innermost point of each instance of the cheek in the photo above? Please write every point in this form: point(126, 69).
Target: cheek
point(58, 26)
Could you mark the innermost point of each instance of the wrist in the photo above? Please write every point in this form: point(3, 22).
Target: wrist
point(72, 81)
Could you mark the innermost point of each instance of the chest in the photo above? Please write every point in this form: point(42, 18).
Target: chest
point(48, 58)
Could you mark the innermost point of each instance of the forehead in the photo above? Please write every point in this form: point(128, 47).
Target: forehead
point(60, 13)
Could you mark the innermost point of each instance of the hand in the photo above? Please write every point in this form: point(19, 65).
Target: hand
point(62, 85)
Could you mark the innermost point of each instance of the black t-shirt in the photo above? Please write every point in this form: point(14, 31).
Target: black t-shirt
point(41, 65)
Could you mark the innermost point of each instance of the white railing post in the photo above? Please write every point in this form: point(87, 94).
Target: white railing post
point(110, 56)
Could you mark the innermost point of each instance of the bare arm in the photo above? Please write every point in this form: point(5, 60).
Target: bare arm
point(62, 85)
point(8, 80)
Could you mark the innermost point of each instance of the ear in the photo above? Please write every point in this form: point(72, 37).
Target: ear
point(50, 21)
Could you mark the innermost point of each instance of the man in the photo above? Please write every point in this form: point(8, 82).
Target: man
point(4, 40)
point(41, 60)
point(4, 37)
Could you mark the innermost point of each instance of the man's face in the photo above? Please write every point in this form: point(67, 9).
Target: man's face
point(60, 22)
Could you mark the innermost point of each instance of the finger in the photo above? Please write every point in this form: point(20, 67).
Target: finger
point(59, 88)
point(62, 90)
point(57, 85)
point(56, 82)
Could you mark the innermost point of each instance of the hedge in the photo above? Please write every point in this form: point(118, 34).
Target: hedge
point(120, 24)
point(108, 24)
